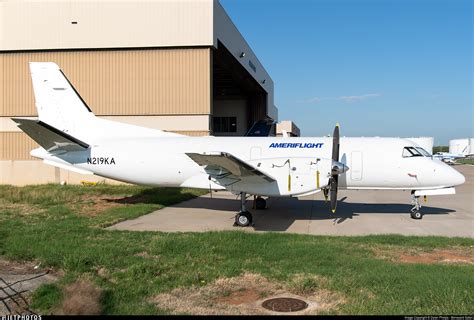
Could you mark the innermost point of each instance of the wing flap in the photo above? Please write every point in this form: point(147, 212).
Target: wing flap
point(224, 165)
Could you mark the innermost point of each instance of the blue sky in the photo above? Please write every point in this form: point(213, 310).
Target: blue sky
point(378, 67)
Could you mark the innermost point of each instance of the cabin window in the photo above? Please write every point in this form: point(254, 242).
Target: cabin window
point(409, 152)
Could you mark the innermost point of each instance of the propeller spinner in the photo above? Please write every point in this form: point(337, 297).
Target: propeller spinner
point(337, 168)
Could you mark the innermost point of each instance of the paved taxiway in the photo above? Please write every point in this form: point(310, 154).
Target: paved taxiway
point(358, 213)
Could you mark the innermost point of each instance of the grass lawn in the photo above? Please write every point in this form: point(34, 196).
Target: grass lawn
point(62, 226)
point(465, 161)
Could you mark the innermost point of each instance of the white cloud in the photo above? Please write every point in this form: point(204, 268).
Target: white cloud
point(347, 99)
point(358, 98)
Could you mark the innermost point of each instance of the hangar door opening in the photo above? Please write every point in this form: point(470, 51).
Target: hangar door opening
point(238, 99)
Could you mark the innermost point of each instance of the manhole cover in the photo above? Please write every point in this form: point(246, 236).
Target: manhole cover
point(284, 304)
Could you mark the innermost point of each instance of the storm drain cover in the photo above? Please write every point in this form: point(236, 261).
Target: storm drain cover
point(284, 304)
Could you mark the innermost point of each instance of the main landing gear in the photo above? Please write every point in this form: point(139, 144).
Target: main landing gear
point(243, 218)
point(415, 212)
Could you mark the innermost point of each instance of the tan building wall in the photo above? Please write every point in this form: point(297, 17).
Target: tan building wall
point(291, 129)
point(120, 82)
point(23, 172)
point(60, 24)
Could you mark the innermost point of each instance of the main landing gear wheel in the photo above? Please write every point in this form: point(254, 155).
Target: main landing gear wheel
point(243, 219)
point(260, 203)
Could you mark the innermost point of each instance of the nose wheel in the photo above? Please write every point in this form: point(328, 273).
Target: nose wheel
point(243, 218)
point(415, 212)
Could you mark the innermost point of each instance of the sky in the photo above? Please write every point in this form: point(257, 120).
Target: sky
point(398, 68)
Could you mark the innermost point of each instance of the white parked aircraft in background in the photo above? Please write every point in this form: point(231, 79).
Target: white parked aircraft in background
point(448, 157)
point(72, 137)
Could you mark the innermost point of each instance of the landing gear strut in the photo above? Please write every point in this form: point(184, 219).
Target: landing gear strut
point(243, 218)
point(415, 212)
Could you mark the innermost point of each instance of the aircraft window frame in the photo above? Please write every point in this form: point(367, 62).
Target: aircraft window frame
point(410, 152)
point(423, 152)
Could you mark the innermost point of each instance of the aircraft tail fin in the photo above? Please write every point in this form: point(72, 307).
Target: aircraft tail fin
point(57, 101)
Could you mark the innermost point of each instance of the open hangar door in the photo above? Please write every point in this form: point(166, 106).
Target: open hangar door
point(238, 99)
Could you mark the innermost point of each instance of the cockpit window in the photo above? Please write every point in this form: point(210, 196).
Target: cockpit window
point(423, 152)
point(411, 152)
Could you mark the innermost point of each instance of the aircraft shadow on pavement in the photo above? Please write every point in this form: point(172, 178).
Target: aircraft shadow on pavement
point(283, 212)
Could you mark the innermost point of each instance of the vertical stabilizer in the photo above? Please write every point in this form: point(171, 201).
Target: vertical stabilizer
point(57, 102)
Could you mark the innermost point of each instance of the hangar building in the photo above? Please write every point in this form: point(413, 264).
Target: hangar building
point(179, 66)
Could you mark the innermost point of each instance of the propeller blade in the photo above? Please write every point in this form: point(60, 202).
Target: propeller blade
point(335, 143)
point(335, 170)
point(333, 193)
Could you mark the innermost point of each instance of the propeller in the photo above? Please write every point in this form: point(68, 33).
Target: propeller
point(337, 168)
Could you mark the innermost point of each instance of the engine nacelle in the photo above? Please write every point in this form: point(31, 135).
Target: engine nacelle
point(294, 176)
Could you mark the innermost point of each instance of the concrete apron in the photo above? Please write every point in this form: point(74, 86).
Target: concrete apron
point(358, 213)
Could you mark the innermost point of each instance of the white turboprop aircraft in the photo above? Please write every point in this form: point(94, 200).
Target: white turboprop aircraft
point(447, 157)
point(72, 137)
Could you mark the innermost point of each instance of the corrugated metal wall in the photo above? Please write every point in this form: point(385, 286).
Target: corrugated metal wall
point(16, 146)
point(116, 82)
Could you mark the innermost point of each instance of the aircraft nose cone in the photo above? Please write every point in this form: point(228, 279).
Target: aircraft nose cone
point(455, 177)
point(459, 178)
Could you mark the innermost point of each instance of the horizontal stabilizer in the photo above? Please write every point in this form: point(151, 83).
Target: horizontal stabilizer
point(48, 137)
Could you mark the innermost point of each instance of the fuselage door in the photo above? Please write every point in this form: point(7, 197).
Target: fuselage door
point(356, 165)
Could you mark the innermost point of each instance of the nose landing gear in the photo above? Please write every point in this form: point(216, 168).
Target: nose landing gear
point(415, 212)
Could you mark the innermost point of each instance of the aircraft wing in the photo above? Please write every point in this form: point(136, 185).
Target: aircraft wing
point(228, 169)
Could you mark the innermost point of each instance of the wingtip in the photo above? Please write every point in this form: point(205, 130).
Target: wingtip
point(337, 125)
